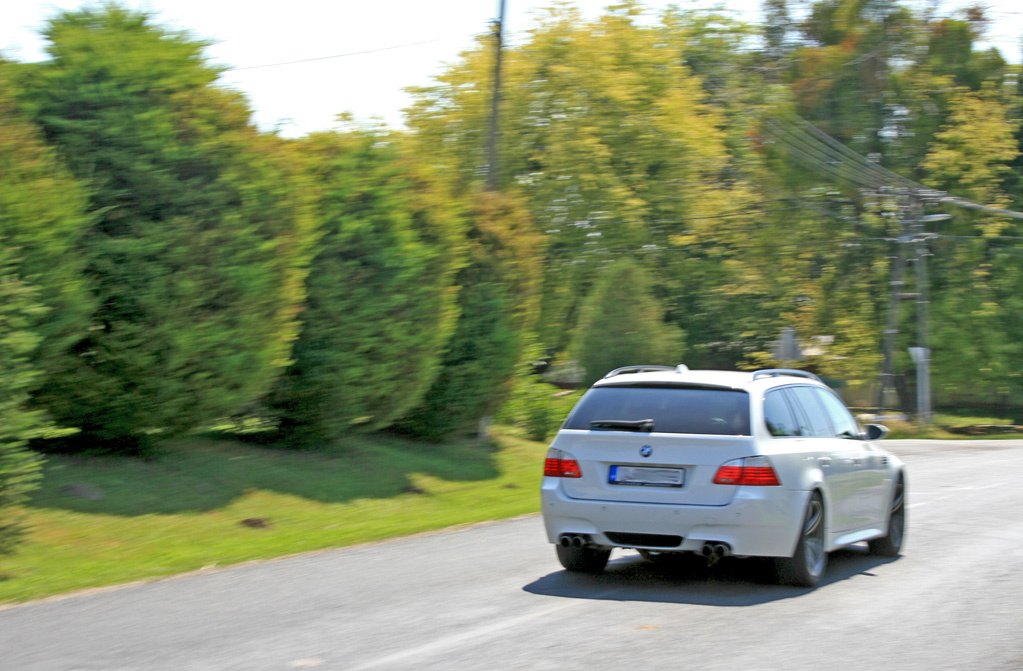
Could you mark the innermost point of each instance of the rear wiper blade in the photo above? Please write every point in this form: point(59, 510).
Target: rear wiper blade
point(624, 424)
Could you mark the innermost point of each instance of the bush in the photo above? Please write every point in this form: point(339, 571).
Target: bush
point(531, 407)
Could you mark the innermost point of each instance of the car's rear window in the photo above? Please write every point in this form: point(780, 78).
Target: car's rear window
point(672, 409)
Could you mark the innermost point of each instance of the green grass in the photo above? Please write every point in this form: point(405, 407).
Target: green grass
point(955, 420)
point(902, 429)
point(184, 510)
point(946, 426)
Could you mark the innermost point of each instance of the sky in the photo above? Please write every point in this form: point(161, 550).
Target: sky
point(367, 51)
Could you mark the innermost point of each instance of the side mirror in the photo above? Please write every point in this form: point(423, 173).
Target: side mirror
point(875, 432)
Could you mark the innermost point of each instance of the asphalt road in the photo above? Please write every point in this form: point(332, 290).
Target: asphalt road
point(494, 597)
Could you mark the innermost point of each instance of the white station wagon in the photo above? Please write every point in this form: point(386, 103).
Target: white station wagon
point(765, 464)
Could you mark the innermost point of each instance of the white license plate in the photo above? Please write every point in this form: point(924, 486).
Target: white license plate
point(646, 476)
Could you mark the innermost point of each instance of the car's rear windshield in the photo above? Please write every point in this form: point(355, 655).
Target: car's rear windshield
point(673, 410)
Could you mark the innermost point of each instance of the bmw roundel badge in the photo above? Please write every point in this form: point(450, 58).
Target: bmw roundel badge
point(646, 451)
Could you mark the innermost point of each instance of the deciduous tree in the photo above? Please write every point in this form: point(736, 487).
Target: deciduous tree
point(607, 134)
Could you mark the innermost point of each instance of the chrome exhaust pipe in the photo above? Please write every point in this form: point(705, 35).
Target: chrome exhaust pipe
point(715, 551)
point(565, 541)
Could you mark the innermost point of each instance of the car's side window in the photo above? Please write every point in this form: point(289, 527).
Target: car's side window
point(802, 426)
point(813, 413)
point(778, 415)
point(843, 423)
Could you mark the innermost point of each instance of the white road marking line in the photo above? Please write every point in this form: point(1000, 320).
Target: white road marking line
point(977, 489)
point(456, 640)
point(954, 491)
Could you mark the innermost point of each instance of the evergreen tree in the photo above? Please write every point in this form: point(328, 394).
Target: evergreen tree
point(497, 301)
point(42, 213)
point(197, 255)
point(622, 324)
point(381, 303)
point(19, 467)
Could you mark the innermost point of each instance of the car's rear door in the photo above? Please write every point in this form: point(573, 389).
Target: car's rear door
point(841, 477)
point(867, 501)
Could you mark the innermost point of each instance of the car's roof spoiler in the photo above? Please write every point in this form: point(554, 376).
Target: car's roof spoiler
point(681, 368)
point(775, 372)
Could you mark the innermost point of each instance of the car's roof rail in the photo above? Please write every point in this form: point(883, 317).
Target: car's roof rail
point(775, 372)
point(681, 368)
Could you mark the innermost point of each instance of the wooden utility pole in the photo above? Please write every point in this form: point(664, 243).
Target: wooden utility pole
point(922, 357)
point(496, 101)
point(914, 236)
point(896, 285)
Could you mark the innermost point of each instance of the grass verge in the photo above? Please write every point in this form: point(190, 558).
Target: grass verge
point(954, 427)
point(206, 502)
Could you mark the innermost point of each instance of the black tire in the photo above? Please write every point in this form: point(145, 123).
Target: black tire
point(890, 545)
point(806, 567)
point(582, 560)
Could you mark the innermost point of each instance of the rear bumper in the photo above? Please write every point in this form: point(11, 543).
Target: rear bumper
point(758, 522)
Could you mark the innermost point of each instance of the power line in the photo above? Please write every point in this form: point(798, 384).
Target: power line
point(858, 169)
point(748, 250)
point(325, 58)
point(817, 150)
point(680, 220)
point(815, 155)
point(864, 163)
point(980, 237)
point(962, 202)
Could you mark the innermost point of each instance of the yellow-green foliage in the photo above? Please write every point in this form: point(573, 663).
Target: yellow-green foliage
point(977, 293)
point(605, 132)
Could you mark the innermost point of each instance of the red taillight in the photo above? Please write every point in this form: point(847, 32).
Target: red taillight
point(728, 475)
point(559, 467)
point(763, 476)
point(753, 471)
point(570, 469)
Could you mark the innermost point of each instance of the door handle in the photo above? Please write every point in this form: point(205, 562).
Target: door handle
point(825, 462)
point(856, 461)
